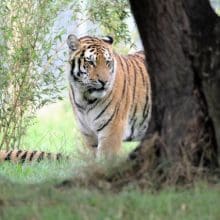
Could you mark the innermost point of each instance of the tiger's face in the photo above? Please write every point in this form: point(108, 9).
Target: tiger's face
point(92, 66)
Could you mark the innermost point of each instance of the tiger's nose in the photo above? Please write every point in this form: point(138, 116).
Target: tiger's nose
point(102, 82)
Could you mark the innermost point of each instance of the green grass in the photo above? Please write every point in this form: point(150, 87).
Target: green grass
point(28, 191)
point(46, 202)
point(54, 130)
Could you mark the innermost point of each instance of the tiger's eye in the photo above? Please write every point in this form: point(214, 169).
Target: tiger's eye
point(90, 62)
point(108, 62)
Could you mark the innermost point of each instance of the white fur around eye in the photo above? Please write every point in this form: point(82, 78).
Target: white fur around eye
point(90, 55)
point(107, 56)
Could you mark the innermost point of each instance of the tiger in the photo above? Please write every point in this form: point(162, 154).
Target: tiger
point(21, 156)
point(110, 93)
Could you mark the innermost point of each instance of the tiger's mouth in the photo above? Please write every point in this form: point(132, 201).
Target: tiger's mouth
point(100, 87)
point(97, 92)
point(90, 90)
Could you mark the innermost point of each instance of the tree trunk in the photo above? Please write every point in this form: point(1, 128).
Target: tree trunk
point(182, 45)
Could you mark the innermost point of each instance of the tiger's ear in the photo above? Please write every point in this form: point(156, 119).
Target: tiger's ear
point(73, 42)
point(108, 39)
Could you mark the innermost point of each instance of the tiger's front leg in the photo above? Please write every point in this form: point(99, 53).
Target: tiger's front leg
point(110, 141)
point(91, 143)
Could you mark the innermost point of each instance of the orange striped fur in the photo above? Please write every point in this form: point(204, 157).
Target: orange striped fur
point(110, 93)
point(20, 156)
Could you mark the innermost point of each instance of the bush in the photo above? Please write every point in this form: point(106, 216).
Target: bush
point(24, 82)
point(28, 79)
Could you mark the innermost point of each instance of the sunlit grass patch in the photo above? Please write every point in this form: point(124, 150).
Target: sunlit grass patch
point(54, 130)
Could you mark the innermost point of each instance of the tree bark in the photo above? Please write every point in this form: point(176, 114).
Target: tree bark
point(182, 45)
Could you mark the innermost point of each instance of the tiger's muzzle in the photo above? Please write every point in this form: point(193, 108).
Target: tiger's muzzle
point(98, 89)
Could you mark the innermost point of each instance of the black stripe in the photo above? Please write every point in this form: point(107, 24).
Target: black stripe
point(141, 72)
point(124, 86)
point(146, 115)
point(134, 86)
point(135, 110)
point(8, 157)
point(79, 69)
point(18, 153)
point(99, 100)
point(72, 67)
point(79, 63)
point(81, 122)
point(76, 79)
point(107, 122)
point(127, 68)
point(120, 59)
point(32, 155)
point(141, 55)
point(132, 129)
point(126, 101)
point(89, 101)
point(40, 157)
point(93, 106)
point(23, 157)
point(103, 110)
point(146, 105)
point(83, 53)
point(133, 122)
point(77, 105)
point(58, 156)
point(49, 156)
point(125, 81)
point(138, 56)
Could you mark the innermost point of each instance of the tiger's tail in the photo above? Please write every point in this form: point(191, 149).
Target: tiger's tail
point(21, 156)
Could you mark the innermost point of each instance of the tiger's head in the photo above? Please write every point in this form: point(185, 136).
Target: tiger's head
point(92, 64)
